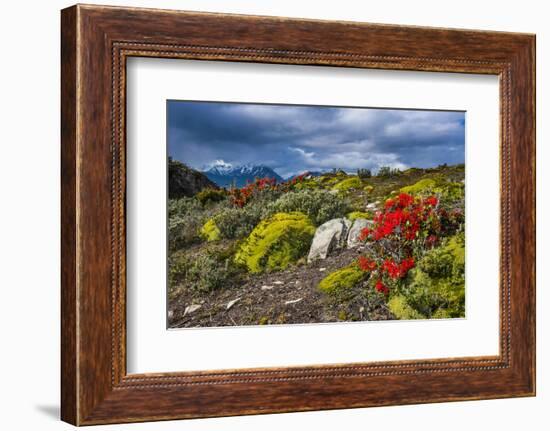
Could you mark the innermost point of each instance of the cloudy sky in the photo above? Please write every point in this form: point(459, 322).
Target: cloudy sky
point(292, 139)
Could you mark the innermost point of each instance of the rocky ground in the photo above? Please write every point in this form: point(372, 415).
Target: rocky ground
point(284, 297)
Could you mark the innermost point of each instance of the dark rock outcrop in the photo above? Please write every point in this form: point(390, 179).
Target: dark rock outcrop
point(184, 181)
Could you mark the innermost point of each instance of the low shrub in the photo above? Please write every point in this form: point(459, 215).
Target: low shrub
point(208, 269)
point(183, 206)
point(238, 222)
point(208, 195)
point(319, 205)
point(186, 219)
point(340, 282)
point(276, 242)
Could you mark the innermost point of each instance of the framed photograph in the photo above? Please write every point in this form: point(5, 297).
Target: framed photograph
point(329, 214)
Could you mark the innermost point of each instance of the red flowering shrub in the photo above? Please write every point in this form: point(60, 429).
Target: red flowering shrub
point(241, 196)
point(402, 232)
point(381, 287)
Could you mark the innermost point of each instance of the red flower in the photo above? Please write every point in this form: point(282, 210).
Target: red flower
point(405, 266)
point(391, 268)
point(431, 201)
point(381, 287)
point(366, 264)
point(405, 200)
point(364, 234)
point(398, 270)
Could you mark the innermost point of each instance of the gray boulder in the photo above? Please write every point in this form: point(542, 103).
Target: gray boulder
point(331, 235)
point(355, 231)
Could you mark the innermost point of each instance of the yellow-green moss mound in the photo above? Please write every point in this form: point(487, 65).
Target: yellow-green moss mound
point(276, 242)
point(400, 308)
point(210, 232)
point(340, 281)
point(446, 190)
point(354, 215)
point(348, 184)
point(427, 185)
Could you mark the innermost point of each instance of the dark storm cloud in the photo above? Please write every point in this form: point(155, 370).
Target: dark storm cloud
point(292, 139)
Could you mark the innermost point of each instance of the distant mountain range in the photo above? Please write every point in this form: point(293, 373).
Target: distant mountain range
point(227, 175)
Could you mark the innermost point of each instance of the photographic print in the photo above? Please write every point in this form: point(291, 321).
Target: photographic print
point(296, 214)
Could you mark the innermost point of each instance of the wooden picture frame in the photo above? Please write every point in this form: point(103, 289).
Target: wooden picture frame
point(95, 43)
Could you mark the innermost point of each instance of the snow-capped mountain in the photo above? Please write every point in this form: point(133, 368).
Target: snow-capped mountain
point(226, 175)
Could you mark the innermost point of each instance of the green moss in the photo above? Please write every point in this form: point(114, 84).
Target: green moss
point(368, 189)
point(209, 231)
point(437, 286)
point(276, 242)
point(450, 191)
point(358, 214)
point(424, 186)
point(401, 309)
point(348, 184)
point(264, 320)
point(447, 190)
point(342, 315)
point(340, 281)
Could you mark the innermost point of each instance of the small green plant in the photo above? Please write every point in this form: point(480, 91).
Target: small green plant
point(340, 282)
point(354, 215)
point(276, 242)
point(208, 195)
point(400, 308)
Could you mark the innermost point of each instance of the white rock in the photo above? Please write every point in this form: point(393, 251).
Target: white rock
point(329, 236)
point(266, 287)
point(355, 231)
point(371, 206)
point(278, 282)
point(294, 301)
point(191, 309)
point(170, 314)
point(232, 303)
point(322, 269)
